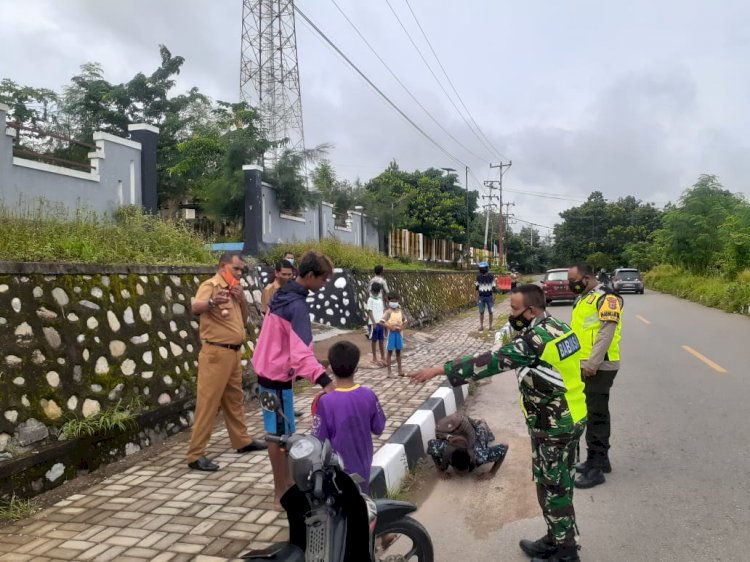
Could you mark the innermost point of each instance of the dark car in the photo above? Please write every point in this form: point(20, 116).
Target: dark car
point(627, 279)
point(556, 287)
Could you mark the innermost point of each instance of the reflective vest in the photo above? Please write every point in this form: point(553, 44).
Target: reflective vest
point(563, 355)
point(587, 319)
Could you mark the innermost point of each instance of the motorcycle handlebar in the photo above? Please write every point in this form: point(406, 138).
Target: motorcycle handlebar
point(318, 488)
point(278, 439)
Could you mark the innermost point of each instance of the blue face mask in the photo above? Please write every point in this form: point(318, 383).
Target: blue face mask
point(393, 304)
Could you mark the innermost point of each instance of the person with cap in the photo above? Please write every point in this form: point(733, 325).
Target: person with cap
point(545, 355)
point(485, 287)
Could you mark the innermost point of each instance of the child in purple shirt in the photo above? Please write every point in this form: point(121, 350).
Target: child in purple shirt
point(348, 415)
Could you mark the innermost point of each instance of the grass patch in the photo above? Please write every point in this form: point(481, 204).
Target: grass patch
point(730, 295)
point(50, 234)
point(346, 256)
point(16, 509)
point(412, 482)
point(117, 419)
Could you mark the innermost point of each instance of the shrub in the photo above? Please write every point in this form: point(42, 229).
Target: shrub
point(48, 233)
point(714, 291)
point(346, 256)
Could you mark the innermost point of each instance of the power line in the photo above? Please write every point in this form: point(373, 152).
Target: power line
point(373, 86)
point(413, 97)
point(455, 91)
point(439, 83)
point(546, 195)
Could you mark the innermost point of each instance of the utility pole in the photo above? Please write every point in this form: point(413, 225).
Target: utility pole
point(501, 237)
point(488, 208)
point(506, 219)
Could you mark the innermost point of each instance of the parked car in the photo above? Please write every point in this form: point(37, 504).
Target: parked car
point(556, 287)
point(627, 279)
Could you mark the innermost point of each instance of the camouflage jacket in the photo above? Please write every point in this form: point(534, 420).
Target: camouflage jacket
point(543, 391)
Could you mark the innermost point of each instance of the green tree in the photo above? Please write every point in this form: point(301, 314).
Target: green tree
point(429, 202)
point(602, 227)
point(694, 237)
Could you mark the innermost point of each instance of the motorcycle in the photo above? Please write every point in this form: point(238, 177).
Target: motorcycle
point(330, 519)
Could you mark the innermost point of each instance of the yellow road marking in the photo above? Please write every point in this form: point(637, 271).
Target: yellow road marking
point(642, 319)
point(704, 359)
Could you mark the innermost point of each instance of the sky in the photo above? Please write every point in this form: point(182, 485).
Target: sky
point(627, 98)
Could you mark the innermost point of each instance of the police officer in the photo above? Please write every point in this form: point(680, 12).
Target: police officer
point(224, 312)
point(597, 321)
point(545, 354)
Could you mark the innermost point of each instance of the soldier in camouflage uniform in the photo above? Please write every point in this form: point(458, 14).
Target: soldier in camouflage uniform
point(545, 355)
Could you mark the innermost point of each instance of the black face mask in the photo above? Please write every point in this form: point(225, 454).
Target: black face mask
point(578, 287)
point(519, 322)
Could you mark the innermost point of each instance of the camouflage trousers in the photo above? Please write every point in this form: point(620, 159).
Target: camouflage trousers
point(552, 464)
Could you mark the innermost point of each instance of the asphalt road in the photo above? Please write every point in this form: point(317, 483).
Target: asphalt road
point(680, 486)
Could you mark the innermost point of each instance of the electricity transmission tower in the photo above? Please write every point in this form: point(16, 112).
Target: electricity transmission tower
point(269, 72)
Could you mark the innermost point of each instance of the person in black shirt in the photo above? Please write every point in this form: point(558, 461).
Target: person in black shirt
point(485, 286)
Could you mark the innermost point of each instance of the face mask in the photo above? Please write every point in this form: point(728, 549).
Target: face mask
point(578, 287)
point(519, 322)
point(393, 304)
point(231, 280)
point(290, 260)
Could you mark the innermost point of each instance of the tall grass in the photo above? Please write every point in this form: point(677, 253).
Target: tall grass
point(48, 233)
point(117, 419)
point(346, 256)
point(731, 295)
point(16, 509)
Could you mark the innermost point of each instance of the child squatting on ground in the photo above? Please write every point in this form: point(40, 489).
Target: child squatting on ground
point(349, 415)
point(376, 331)
point(393, 319)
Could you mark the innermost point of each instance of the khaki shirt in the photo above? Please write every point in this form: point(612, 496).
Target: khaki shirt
point(215, 327)
point(268, 294)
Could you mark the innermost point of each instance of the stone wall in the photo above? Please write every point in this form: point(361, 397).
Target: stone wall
point(79, 340)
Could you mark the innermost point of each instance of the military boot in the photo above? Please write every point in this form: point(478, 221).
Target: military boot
point(540, 549)
point(590, 462)
point(561, 554)
point(592, 477)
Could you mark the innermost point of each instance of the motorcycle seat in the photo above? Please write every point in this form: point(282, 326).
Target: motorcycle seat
point(279, 552)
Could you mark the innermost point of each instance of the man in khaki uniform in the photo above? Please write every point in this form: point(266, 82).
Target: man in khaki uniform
point(224, 312)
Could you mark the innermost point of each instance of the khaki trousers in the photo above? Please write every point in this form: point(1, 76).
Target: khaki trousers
point(219, 385)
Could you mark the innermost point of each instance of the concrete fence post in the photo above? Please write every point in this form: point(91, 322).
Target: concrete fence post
point(148, 137)
point(253, 227)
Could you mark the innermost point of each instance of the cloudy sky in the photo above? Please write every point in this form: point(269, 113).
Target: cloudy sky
point(634, 97)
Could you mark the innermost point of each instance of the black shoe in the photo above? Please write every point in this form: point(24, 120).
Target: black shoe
point(604, 465)
point(204, 464)
point(539, 549)
point(297, 413)
point(561, 554)
point(254, 445)
point(590, 478)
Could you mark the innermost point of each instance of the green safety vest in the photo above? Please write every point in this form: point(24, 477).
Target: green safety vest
point(563, 355)
point(587, 319)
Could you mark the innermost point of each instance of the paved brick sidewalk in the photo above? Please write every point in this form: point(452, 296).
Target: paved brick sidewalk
point(160, 510)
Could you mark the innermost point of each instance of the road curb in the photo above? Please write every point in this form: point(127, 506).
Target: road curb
point(408, 444)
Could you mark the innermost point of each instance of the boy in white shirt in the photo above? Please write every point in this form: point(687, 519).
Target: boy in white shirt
point(376, 331)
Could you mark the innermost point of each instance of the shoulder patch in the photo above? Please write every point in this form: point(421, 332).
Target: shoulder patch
point(610, 309)
point(592, 298)
point(568, 346)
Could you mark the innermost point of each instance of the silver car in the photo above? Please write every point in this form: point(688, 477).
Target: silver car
point(627, 279)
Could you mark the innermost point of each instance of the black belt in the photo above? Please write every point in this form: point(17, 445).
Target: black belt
point(232, 346)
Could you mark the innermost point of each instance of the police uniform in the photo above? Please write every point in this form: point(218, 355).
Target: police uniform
point(597, 321)
point(546, 359)
point(222, 332)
